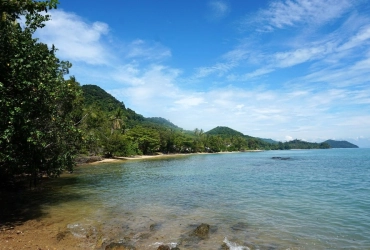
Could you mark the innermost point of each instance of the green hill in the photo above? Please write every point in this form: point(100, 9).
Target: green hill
point(299, 144)
point(111, 129)
point(98, 98)
point(224, 132)
point(340, 144)
point(271, 141)
point(161, 122)
point(94, 95)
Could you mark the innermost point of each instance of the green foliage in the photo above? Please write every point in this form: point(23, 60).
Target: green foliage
point(120, 145)
point(161, 122)
point(340, 144)
point(147, 139)
point(236, 141)
point(118, 131)
point(39, 109)
point(298, 144)
point(224, 132)
point(96, 96)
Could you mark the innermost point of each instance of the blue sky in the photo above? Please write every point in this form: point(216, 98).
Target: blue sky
point(280, 69)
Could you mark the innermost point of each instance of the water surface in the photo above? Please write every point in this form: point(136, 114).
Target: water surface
point(309, 199)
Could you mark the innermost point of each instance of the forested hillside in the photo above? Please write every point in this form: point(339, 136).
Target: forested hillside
point(340, 144)
point(111, 129)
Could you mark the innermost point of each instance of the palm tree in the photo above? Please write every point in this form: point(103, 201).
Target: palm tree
point(117, 120)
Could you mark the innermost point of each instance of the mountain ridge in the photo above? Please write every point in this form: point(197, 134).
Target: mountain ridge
point(340, 144)
point(94, 95)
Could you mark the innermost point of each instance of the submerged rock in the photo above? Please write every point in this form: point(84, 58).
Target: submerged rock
point(240, 226)
point(119, 246)
point(191, 239)
point(163, 247)
point(280, 158)
point(224, 246)
point(155, 227)
point(202, 231)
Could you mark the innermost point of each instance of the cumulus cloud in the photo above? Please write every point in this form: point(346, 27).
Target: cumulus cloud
point(76, 39)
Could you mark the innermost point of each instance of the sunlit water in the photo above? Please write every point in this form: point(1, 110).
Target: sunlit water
point(315, 199)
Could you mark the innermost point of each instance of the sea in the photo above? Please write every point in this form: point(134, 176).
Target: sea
point(292, 199)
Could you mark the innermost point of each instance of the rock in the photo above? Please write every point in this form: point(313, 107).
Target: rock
point(175, 248)
point(192, 239)
point(61, 235)
point(224, 246)
point(202, 231)
point(119, 246)
point(154, 227)
point(163, 247)
point(280, 158)
point(240, 226)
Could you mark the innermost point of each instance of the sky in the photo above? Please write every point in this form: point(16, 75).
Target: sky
point(279, 69)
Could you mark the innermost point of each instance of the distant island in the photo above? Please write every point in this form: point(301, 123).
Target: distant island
point(340, 144)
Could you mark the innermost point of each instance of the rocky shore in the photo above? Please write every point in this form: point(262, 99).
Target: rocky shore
point(41, 234)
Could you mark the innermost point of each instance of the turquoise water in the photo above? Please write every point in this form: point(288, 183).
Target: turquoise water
point(315, 199)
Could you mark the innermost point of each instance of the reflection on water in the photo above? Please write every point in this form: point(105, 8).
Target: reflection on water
point(249, 199)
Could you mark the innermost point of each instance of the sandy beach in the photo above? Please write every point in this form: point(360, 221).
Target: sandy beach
point(159, 156)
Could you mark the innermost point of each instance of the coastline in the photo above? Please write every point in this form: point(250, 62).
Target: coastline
point(159, 156)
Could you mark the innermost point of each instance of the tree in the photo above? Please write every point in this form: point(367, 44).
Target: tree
point(39, 126)
point(117, 120)
point(93, 128)
point(147, 139)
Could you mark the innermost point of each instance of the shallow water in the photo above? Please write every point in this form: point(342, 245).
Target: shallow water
point(315, 199)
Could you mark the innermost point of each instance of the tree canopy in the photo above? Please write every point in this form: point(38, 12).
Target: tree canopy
point(38, 106)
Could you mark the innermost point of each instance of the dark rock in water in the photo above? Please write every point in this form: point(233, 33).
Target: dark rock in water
point(191, 239)
point(155, 227)
point(224, 246)
point(240, 226)
point(280, 158)
point(163, 247)
point(119, 246)
point(202, 231)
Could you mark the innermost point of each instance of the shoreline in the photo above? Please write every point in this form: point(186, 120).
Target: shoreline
point(143, 157)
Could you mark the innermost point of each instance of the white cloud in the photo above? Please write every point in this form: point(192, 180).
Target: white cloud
point(288, 138)
point(217, 9)
point(291, 58)
point(140, 49)
point(329, 101)
point(190, 101)
point(76, 39)
point(290, 13)
point(220, 69)
point(358, 39)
